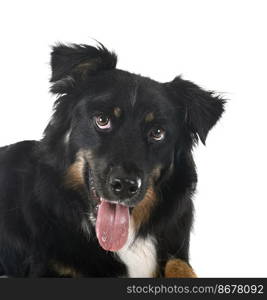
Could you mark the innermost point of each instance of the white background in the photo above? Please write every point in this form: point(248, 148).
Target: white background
point(220, 45)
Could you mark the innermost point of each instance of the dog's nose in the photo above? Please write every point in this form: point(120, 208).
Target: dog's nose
point(125, 187)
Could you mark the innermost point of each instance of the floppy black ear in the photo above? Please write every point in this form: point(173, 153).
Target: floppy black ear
point(200, 109)
point(75, 62)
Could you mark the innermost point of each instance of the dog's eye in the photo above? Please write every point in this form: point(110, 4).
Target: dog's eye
point(102, 121)
point(157, 134)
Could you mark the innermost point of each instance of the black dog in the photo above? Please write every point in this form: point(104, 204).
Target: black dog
point(107, 191)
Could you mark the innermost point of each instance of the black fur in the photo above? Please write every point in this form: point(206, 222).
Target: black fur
point(41, 214)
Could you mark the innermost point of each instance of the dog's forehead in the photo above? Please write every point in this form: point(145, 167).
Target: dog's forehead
point(132, 94)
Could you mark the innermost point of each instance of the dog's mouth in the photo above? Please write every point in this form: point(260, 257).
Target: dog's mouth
point(112, 221)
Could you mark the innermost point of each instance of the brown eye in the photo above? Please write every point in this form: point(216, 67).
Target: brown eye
point(103, 121)
point(157, 134)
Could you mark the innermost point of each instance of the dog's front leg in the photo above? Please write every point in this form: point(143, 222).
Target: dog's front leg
point(177, 268)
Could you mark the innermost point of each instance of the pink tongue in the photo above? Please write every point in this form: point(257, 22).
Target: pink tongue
point(112, 225)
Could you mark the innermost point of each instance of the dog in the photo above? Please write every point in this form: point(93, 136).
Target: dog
point(107, 191)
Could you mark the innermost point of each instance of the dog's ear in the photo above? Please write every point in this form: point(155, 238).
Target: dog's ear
point(76, 62)
point(200, 109)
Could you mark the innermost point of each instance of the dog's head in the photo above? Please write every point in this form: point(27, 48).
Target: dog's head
point(122, 132)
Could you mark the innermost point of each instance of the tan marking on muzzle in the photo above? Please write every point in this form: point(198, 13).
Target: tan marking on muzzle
point(141, 212)
point(74, 177)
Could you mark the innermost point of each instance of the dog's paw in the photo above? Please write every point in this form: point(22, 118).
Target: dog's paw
point(177, 268)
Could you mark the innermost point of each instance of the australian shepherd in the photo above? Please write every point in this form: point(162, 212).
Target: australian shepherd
point(107, 191)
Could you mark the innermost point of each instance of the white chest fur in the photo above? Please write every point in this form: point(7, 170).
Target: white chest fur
point(139, 255)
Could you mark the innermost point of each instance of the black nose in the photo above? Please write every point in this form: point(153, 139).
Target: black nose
point(125, 187)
